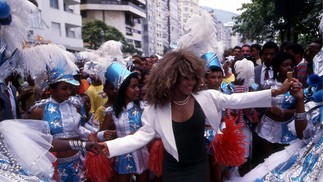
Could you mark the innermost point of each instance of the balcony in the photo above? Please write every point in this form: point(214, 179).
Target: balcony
point(129, 31)
point(113, 5)
point(72, 2)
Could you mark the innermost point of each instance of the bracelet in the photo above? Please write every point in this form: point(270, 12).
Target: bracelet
point(83, 146)
point(300, 116)
point(77, 145)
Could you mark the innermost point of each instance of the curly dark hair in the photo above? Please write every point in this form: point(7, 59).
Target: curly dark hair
point(163, 78)
point(278, 59)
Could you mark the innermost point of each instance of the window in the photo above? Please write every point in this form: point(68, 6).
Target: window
point(136, 31)
point(54, 4)
point(146, 39)
point(84, 13)
point(137, 20)
point(68, 8)
point(137, 44)
point(70, 32)
point(56, 29)
point(128, 31)
point(36, 21)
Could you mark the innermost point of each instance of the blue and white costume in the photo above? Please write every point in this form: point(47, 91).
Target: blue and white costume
point(302, 160)
point(64, 122)
point(128, 123)
point(307, 162)
point(277, 131)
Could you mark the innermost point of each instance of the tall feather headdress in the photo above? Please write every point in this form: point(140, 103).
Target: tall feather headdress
point(15, 16)
point(112, 50)
point(15, 33)
point(200, 34)
point(49, 64)
point(111, 66)
point(86, 56)
point(244, 70)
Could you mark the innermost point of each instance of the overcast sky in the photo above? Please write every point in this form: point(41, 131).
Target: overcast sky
point(227, 5)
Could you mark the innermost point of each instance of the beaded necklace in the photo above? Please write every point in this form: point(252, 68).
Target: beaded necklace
point(182, 102)
point(13, 165)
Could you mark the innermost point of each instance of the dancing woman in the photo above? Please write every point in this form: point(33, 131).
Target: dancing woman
point(61, 111)
point(177, 111)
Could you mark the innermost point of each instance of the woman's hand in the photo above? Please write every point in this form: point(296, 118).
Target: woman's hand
point(288, 84)
point(285, 86)
point(110, 134)
point(92, 137)
point(94, 147)
point(104, 147)
point(297, 90)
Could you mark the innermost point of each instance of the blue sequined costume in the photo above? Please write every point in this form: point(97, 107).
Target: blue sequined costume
point(302, 160)
point(277, 131)
point(129, 122)
point(65, 122)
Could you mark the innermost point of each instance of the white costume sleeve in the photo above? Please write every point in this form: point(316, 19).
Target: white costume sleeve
point(244, 100)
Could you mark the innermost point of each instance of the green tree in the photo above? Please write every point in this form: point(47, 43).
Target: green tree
point(93, 33)
point(262, 21)
point(96, 32)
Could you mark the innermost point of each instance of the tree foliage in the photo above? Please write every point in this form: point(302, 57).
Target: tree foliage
point(262, 21)
point(95, 32)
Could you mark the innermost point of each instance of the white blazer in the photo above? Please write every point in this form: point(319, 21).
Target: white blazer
point(159, 120)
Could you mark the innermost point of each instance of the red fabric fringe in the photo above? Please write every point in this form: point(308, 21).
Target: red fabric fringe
point(98, 168)
point(228, 147)
point(156, 156)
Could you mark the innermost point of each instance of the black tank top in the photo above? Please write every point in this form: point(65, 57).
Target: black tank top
point(189, 138)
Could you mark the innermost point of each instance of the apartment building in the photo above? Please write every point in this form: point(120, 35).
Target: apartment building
point(187, 9)
point(58, 21)
point(124, 15)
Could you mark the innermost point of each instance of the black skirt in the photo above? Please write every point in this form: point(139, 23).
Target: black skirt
point(174, 171)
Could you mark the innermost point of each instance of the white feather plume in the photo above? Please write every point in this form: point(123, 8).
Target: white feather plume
point(85, 56)
point(104, 63)
point(16, 33)
point(244, 70)
point(200, 34)
point(38, 60)
point(112, 49)
point(109, 52)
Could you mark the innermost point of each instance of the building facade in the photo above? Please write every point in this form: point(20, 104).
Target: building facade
point(233, 40)
point(58, 21)
point(161, 27)
point(187, 9)
point(124, 15)
point(174, 23)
